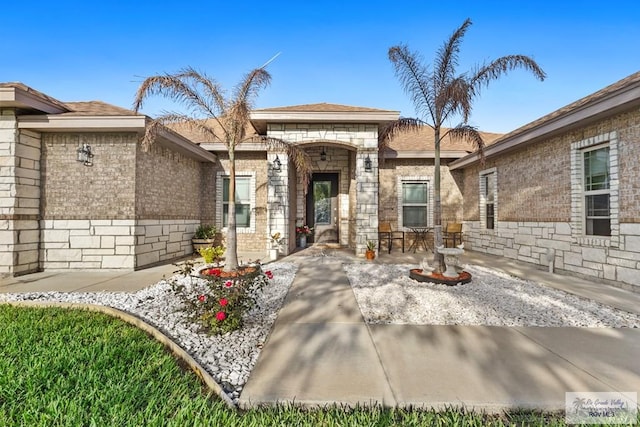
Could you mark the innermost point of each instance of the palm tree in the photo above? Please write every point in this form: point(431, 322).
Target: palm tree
point(220, 118)
point(440, 94)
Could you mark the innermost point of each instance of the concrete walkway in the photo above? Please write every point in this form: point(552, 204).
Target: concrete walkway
point(321, 351)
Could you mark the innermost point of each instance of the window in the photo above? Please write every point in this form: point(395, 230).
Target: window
point(243, 201)
point(488, 196)
point(415, 196)
point(597, 191)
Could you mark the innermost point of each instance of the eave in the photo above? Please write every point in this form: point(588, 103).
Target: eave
point(607, 105)
point(12, 97)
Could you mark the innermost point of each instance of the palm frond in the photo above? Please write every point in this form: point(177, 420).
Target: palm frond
point(175, 87)
point(484, 74)
point(469, 134)
point(446, 59)
point(403, 124)
point(298, 156)
point(211, 87)
point(247, 90)
point(414, 78)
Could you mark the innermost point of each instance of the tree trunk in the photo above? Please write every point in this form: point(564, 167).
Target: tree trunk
point(438, 258)
point(231, 262)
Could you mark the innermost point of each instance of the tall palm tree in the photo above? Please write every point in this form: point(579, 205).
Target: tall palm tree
point(440, 94)
point(220, 118)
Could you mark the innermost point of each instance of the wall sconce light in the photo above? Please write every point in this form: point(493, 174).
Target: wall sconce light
point(367, 164)
point(323, 155)
point(277, 164)
point(85, 155)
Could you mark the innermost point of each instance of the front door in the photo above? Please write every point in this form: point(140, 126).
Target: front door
point(322, 207)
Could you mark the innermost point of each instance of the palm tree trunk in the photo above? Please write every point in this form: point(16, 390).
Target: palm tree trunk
point(438, 259)
point(231, 262)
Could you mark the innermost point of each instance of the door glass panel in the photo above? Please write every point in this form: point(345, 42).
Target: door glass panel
point(322, 202)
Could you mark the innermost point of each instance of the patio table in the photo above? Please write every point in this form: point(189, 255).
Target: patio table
point(420, 234)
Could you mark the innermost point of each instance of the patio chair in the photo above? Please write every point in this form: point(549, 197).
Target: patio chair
point(387, 234)
point(452, 234)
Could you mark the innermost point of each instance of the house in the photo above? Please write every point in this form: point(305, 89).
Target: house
point(132, 208)
point(564, 189)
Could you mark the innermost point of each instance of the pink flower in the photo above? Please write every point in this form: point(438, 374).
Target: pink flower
point(269, 274)
point(202, 298)
point(228, 283)
point(223, 301)
point(221, 315)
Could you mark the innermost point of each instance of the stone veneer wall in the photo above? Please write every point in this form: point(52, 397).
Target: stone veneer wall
point(535, 208)
point(130, 209)
point(168, 204)
point(257, 163)
point(20, 152)
point(362, 193)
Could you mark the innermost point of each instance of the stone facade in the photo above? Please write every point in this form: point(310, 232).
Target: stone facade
point(130, 209)
point(346, 146)
point(19, 196)
point(539, 217)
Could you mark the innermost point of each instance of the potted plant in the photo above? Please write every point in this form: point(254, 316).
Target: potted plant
point(204, 237)
point(276, 240)
point(370, 253)
point(303, 231)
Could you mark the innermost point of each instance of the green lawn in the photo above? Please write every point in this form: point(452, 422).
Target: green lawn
point(62, 367)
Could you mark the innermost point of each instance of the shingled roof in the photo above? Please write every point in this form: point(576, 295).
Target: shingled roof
point(424, 139)
point(323, 107)
point(97, 108)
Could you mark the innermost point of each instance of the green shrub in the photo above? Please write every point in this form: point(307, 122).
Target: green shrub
point(205, 231)
point(211, 254)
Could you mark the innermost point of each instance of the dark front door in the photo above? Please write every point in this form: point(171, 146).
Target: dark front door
point(322, 207)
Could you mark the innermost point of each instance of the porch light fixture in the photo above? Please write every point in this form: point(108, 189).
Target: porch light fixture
point(277, 164)
point(367, 164)
point(323, 155)
point(85, 155)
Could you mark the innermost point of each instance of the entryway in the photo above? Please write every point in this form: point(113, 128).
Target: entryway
point(322, 207)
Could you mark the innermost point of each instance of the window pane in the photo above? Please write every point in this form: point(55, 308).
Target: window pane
point(597, 205)
point(225, 190)
point(488, 182)
point(322, 202)
point(243, 215)
point(414, 216)
point(414, 192)
point(596, 169)
point(599, 226)
point(490, 216)
point(243, 189)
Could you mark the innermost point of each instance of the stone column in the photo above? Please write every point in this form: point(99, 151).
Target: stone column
point(19, 197)
point(278, 200)
point(366, 199)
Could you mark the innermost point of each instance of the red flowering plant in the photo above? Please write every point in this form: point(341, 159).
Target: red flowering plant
point(221, 300)
point(304, 230)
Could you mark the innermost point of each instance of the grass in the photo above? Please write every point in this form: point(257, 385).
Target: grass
point(62, 367)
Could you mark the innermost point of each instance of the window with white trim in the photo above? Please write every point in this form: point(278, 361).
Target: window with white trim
point(597, 188)
point(245, 201)
point(415, 202)
point(488, 199)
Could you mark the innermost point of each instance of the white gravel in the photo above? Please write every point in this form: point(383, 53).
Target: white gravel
point(386, 295)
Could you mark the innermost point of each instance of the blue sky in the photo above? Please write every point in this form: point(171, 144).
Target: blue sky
point(331, 51)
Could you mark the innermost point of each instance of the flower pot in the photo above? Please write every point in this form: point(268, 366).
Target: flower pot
point(303, 241)
point(273, 254)
point(370, 255)
point(202, 243)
